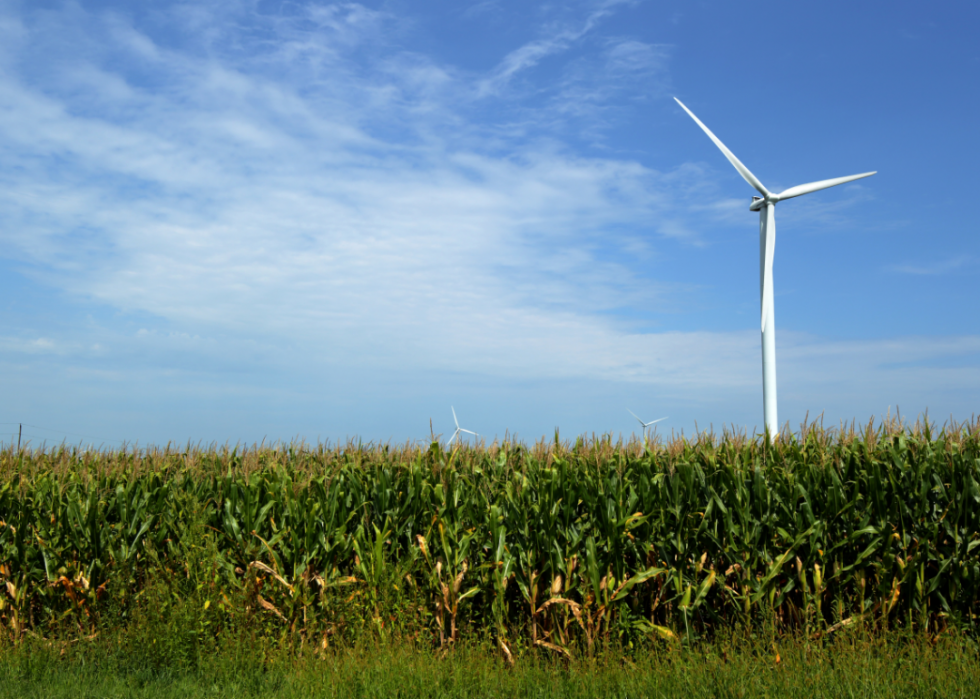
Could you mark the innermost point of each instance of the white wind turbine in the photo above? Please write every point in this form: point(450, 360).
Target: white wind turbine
point(766, 206)
point(645, 424)
point(458, 428)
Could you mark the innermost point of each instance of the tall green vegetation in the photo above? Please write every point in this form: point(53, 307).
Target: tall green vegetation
point(561, 547)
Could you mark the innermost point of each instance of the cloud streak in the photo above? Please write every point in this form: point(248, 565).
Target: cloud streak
point(556, 39)
point(934, 268)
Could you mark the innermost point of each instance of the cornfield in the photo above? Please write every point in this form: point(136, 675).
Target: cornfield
point(559, 546)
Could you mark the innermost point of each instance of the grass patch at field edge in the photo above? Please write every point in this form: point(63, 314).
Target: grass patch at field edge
point(851, 665)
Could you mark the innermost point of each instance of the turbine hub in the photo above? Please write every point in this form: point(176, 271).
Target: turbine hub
point(759, 202)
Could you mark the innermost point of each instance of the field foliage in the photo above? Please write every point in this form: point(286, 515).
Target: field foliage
point(560, 547)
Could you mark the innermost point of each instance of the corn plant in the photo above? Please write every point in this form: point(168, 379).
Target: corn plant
point(558, 546)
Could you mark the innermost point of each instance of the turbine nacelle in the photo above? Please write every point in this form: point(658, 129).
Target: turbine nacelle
point(757, 204)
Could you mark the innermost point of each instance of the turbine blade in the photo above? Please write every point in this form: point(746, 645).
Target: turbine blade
point(742, 170)
point(770, 229)
point(454, 416)
point(817, 186)
point(469, 432)
point(637, 417)
point(654, 422)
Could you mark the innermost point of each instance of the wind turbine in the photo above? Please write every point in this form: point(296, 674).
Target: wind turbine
point(458, 428)
point(645, 424)
point(766, 206)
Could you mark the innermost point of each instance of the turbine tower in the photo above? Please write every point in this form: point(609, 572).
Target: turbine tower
point(766, 206)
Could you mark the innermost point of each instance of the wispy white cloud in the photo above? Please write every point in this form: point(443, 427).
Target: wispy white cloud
point(482, 9)
point(934, 268)
point(37, 345)
point(598, 89)
point(229, 193)
point(556, 38)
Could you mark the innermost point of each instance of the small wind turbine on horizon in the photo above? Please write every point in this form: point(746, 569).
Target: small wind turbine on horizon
point(766, 206)
point(646, 425)
point(458, 428)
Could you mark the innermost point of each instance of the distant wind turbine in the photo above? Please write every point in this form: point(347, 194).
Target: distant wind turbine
point(766, 206)
point(645, 424)
point(458, 428)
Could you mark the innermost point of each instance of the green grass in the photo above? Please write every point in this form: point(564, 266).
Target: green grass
point(855, 665)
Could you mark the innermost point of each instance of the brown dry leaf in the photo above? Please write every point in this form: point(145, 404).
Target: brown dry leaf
point(836, 627)
point(266, 569)
point(558, 649)
point(508, 657)
point(265, 604)
point(69, 588)
point(459, 579)
point(576, 609)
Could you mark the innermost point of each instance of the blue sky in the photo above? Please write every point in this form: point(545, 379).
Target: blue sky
point(229, 220)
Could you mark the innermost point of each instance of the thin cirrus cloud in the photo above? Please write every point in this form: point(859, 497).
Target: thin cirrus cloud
point(934, 268)
point(299, 190)
point(222, 184)
point(557, 40)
